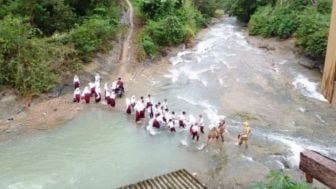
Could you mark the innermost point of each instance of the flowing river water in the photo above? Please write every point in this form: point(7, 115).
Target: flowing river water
point(223, 75)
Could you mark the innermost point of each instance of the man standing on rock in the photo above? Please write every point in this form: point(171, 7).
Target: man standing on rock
point(244, 136)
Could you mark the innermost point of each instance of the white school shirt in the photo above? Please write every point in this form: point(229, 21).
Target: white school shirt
point(97, 77)
point(201, 121)
point(76, 92)
point(112, 95)
point(91, 85)
point(171, 124)
point(76, 79)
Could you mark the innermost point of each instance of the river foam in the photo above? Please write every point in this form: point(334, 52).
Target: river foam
point(307, 88)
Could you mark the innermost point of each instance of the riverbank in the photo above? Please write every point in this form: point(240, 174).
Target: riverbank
point(19, 116)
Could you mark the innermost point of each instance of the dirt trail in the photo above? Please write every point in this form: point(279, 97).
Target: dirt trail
point(126, 56)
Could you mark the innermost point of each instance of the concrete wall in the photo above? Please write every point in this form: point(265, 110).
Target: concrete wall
point(329, 73)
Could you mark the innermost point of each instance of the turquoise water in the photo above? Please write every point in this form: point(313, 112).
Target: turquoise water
point(104, 151)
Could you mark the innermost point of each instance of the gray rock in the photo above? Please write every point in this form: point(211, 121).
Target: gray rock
point(308, 63)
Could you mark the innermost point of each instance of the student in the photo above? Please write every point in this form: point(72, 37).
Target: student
point(112, 99)
point(128, 106)
point(92, 88)
point(86, 95)
point(76, 82)
point(201, 123)
point(138, 108)
point(156, 122)
point(98, 95)
point(171, 125)
point(108, 96)
point(76, 95)
point(194, 131)
point(149, 101)
point(182, 120)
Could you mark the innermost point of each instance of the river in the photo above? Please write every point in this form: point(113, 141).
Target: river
point(223, 75)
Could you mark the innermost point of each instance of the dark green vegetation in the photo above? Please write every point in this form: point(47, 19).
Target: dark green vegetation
point(306, 20)
point(170, 22)
point(41, 40)
point(278, 180)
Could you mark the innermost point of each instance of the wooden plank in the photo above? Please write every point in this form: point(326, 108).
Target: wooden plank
point(318, 167)
point(329, 72)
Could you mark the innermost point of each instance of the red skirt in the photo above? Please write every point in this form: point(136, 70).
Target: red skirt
point(98, 100)
point(77, 98)
point(181, 123)
point(93, 92)
point(137, 116)
point(172, 129)
point(142, 114)
point(87, 98)
point(156, 124)
point(129, 109)
point(76, 84)
point(112, 102)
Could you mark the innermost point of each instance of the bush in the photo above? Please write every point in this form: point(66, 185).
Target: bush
point(91, 35)
point(208, 7)
point(28, 63)
point(270, 22)
point(148, 45)
point(167, 31)
point(313, 32)
point(278, 180)
point(324, 6)
point(243, 9)
point(155, 9)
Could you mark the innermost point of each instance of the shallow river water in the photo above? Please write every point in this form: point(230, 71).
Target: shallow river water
point(223, 75)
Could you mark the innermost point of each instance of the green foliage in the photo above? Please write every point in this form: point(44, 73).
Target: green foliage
point(324, 6)
point(148, 45)
point(26, 62)
point(270, 22)
point(313, 32)
point(91, 35)
point(42, 39)
point(208, 7)
point(278, 180)
point(243, 9)
point(300, 18)
point(154, 9)
point(168, 22)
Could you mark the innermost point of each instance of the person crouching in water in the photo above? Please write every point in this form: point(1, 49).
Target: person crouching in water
point(244, 136)
point(76, 82)
point(194, 131)
point(86, 95)
point(182, 120)
point(112, 99)
point(98, 96)
point(171, 125)
point(77, 95)
point(201, 123)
